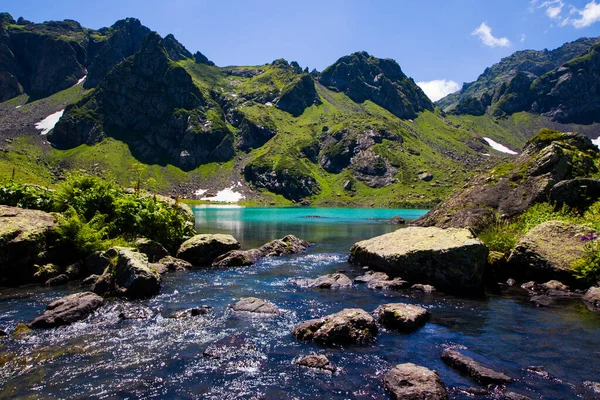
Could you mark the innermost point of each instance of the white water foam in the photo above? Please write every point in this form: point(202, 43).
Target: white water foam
point(49, 122)
point(499, 147)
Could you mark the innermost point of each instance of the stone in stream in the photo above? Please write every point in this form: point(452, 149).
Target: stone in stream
point(255, 305)
point(396, 283)
point(371, 276)
point(515, 396)
point(290, 244)
point(174, 264)
point(452, 259)
point(67, 310)
point(592, 298)
point(410, 381)
point(349, 326)
point(192, 312)
point(202, 250)
point(419, 287)
point(131, 277)
point(401, 317)
point(58, 280)
point(593, 387)
point(331, 281)
point(473, 369)
point(317, 361)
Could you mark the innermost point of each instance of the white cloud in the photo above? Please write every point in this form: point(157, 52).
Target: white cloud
point(579, 18)
point(522, 37)
point(588, 16)
point(438, 88)
point(484, 32)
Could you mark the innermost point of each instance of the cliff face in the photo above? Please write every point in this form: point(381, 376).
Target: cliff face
point(363, 77)
point(152, 104)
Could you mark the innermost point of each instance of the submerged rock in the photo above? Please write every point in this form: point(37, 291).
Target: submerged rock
point(548, 251)
point(418, 287)
point(391, 284)
point(449, 258)
point(255, 305)
point(290, 244)
point(593, 387)
point(317, 361)
point(473, 369)
point(67, 310)
point(331, 281)
point(349, 326)
point(192, 312)
point(401, 317)
point(230, 347)
point(410, 381)
point(58, 280)
point(372, 276)
point(202, 250)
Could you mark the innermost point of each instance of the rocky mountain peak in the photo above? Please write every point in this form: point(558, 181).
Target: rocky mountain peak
point(175, 50)
point(364, 77)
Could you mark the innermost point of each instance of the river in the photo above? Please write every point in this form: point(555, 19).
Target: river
point(156, 356)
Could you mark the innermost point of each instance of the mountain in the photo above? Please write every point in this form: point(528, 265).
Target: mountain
point(560, 84)
point(132, 103)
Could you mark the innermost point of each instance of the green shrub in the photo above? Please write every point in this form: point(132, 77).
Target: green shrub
point(88, 195)
point(588, 267)
point(500, 237)
point(81, 236)
point(27, 196)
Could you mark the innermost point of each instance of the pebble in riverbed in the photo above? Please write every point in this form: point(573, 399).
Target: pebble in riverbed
point(317, 362)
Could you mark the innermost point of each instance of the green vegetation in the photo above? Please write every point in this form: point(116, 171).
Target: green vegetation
point(94, 213)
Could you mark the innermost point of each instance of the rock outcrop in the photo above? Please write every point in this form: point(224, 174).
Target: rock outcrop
point(410, 381)
point(156, 102)
point(67, 310)
point(349, 326)
point(25, 239)
point(451, 259)
point(289, 244)
point(473, 369)
point(364, 77)
point(298, 95)
point(549, 159)
point(284, 178)
point(202, 250)
point(401, 317)
point(255, 306)
point(547, 252)
point(131, 276)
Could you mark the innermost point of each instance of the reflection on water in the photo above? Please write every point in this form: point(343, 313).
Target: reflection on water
point(161, 357)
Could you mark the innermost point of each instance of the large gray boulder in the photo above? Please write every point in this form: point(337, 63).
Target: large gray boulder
point(131, 277)
point(67, 310)
point(548, 251)
point(24, 237)
point(290, 244)
point(473, 369)
point(412, 382)
point(349, 326)
point(202, 250)
point(451, 259)
point(401, 317)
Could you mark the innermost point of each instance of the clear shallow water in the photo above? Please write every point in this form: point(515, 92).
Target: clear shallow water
point(162, 357)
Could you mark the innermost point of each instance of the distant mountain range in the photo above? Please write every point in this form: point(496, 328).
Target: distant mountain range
point(359, 132)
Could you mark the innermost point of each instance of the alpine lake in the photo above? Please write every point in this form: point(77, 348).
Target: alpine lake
point(136, 350)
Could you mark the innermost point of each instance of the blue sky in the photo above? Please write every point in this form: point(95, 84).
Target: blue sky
point(447, 42)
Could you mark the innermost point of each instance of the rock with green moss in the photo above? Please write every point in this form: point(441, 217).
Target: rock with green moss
point(548, 160)
point(151, 248)
point(548, 251)
point(401, 317)
point(202, 250)
point(289, 244)
point(24, 237)
point(451, 259)
point(129, 275)
point(349, 326)
point(68, 310)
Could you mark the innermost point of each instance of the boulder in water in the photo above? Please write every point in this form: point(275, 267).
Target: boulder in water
point(410, 381)
point(290, 244)
point(349, 326)
point(473, 369)
point(255, 305)
point(452, 259)
point(67, 310)
point(202, 250)
point(401, 317)
point(317, 361)
point(331, 281)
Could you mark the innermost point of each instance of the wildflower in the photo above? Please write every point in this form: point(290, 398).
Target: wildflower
point(589, 238)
